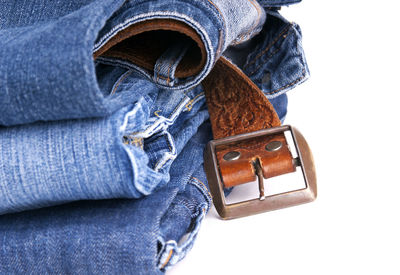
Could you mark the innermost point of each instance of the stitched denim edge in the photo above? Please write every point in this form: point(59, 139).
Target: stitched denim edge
point(167, 15)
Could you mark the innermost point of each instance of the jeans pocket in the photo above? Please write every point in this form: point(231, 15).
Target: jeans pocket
point(278, 62)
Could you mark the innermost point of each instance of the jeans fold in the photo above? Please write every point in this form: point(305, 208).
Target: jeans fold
point(101, 153)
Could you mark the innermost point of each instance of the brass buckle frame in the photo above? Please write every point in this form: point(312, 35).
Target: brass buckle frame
point(274, 202)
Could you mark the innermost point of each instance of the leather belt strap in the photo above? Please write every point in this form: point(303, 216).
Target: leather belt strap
point(237, 106)
point(249, 141)
point(250, 144)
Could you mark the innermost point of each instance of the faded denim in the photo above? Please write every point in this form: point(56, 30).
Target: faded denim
point(109, 130)
point(36, 80)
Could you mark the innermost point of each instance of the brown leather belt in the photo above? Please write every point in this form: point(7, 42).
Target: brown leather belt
point(249, 141)
point(249, 144)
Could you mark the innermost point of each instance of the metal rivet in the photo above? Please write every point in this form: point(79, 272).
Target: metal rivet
point(233, 155)
point(273, 146)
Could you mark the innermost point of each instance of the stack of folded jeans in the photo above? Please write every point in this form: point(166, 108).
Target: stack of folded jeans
point(101, 155)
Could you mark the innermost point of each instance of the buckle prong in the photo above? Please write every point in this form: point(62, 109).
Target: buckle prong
point(260, 176)
point(304, 160)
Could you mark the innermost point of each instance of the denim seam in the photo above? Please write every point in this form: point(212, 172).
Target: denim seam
point(169, 69)
point(153, 128)
point(123, 64)
point(161, 119)
point(162, 77)
point(150, 131)
point(304, 75)
point(223, 20)
point(126, 148)
point(130, 66)
point(166, 14)
point(138, 19)
point(168, 246)
point(138, 142)
point(185, 204)
point(202, 187)
point(263, 63)
point(243, 36)
point(193, 101)
point(168, 258)
point(271, 55)
point(166, 156)
point(179, 105)
point(272, 93)
point(119, 81)
point(149, 16)
point(285, 30)
point(158, 71)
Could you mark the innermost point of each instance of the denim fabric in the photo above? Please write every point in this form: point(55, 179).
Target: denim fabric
point(125, 155)
point(218, 22)
point(274, 59)
point(112, 236)
point(46, 69)
point(121, 137)
point(38, 82)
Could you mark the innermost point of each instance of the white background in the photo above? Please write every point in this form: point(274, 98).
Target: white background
point(349, 112)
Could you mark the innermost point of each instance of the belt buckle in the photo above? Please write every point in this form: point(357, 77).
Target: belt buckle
point(304, 160)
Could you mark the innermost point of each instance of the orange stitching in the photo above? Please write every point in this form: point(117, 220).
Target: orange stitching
point(189, 105)
point(158, 71)
point(169, 117)
point(169, 257)
point(119, 81)
point(290, 84)
point(285, 30)
point(169, 68)
point(220, 13)
point(263, 63)
point(271, 55)
point(162, 77)
point(167, 159)
point(203, 185)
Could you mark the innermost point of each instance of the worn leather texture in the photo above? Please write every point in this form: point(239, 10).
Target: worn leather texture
point(242, 170)
point(236, 105)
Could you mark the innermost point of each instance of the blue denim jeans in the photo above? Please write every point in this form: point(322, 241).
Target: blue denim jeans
point(101, 161)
